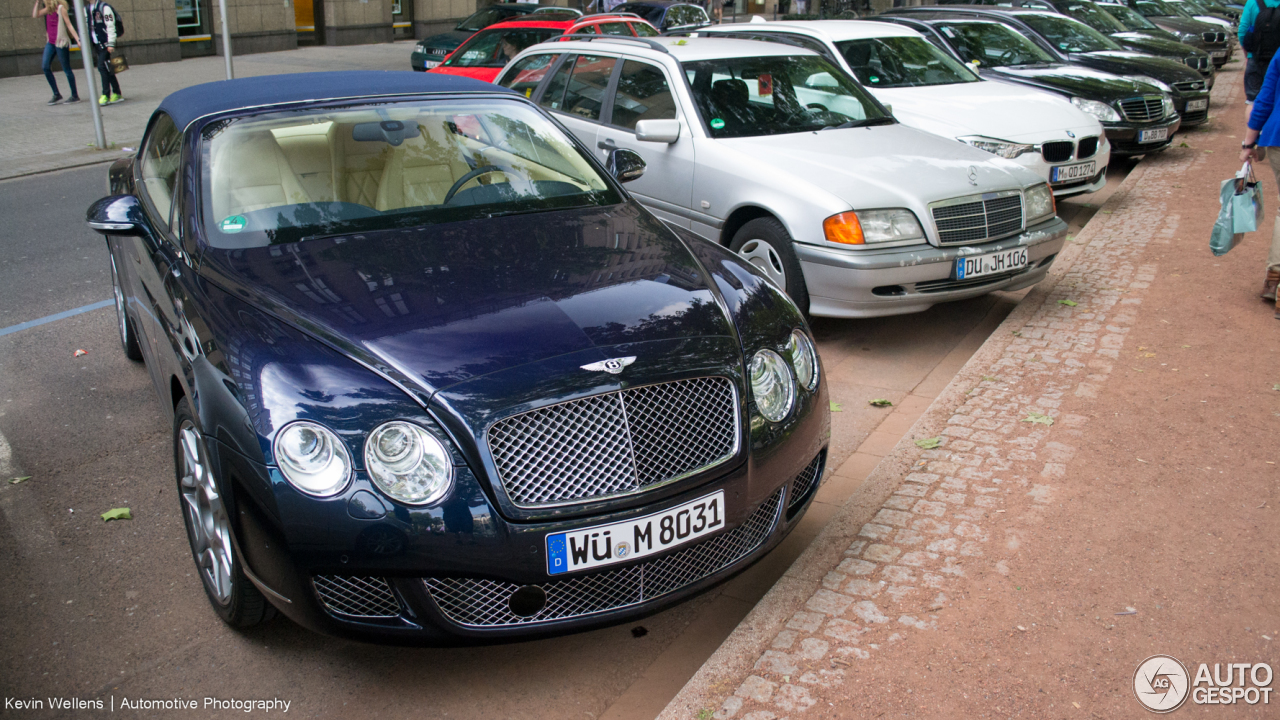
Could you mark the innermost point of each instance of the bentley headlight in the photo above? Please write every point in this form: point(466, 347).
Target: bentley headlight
point(772, 386)
point(1102, 111)
point(408, 463)
point(803, 359)
point(1150, 81)
point(1169, 109)
point(1003, 148)
point(313, 459)
point(1039, 203)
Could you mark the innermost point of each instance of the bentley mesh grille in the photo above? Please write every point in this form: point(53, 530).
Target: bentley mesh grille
point(615, 443)
point(1058, 151)
point(477, 602)
point(804, 483)
point(362, 597)
point(969, 222)
point(1087, 148)
point(1143, 109)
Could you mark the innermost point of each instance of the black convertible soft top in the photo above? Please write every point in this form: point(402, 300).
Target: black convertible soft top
point(197, 101)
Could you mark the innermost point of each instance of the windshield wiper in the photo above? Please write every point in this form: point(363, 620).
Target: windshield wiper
point(866, 122)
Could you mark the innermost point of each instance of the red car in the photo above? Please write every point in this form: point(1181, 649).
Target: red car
point(485, 54)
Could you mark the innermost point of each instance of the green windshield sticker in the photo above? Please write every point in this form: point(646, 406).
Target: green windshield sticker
point(716, 123)
point(875, 79)
point(232, 224)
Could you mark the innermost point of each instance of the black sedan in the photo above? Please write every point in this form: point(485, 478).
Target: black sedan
point(1217, 39)
point(1137, 116)
point(434, 376)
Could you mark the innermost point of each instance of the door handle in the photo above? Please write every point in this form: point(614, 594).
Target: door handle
point(607, 144)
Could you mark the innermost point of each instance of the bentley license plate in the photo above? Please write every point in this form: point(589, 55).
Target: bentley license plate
point(991, 263)
point(1067, 173)
point(601, 545)
point(1200, 104)
point(1156, 135)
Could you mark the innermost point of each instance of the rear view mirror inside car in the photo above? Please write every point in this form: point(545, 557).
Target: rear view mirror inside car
point(393, 132)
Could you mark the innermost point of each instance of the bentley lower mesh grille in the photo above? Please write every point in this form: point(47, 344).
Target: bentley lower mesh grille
point(982, 219)
point(615, 443)
point(1143, 109)
point(1057, 151)
point(477, 602)
point(361, 597)
point(805, 482)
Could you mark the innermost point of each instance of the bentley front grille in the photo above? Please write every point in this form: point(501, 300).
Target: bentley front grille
point(617, 443)
point(978, 218)
point(356, 597)
point(478, 602)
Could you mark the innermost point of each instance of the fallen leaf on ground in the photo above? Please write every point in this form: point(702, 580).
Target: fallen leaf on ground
point(991, 378)
point(117, 514)
point(1076, 703)
point(928, 443)
point(881, 402)
point(1035, 417)
point(836, 407)
point(1068, 303)
point(81, 352)
point(1018, 333)
point(19, 480)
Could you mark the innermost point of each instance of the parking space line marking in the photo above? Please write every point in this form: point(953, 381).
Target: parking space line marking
point(58, 316)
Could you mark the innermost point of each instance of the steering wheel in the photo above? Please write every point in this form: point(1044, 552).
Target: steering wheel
point(1008, 56)
point(477, 173)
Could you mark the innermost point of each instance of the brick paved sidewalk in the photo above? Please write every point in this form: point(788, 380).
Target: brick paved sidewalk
point(35, 137)
point(928, 518)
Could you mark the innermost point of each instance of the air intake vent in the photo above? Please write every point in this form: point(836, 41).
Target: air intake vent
point(1058, 151)
point(1087, 148)
point(804, 484)
point(356, 597)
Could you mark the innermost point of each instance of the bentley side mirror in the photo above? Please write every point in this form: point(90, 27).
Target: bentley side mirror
point(625, 165)
point(659, 131)
point(117, 215)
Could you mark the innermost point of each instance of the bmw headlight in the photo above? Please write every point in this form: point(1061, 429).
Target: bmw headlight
point(772, 386)
point(313, 459)
point(1039, 203)
point(1102, 111)
point(1150, 81)
point(1003, 148)
point(408, 463)
point(803, 359)
point(1169, 109)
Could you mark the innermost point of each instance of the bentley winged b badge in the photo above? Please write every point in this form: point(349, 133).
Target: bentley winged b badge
point(613, 366)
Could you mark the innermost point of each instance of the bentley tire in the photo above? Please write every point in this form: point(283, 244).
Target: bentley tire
point(766, 244)
point(207, 514)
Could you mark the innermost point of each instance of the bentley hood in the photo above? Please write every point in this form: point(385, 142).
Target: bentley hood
point(442, 304)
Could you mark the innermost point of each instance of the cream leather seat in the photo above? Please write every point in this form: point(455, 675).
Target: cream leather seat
point(251, 173)
point(422, 169)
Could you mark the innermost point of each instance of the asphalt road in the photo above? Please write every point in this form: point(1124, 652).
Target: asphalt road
point(105, 611)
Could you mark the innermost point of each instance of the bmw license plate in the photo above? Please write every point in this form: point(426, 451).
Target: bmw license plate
point(991, 263)
point(621, 541)
point(1215, 54)
point(1156, 135)
point(1067, 173)
point(1201, 104)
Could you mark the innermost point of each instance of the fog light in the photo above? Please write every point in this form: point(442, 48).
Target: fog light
point(527, 601)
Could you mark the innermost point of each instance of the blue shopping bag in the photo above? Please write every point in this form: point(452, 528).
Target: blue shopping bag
point(1241, 212)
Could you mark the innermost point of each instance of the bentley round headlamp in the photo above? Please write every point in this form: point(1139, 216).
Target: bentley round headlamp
point(408, 463)
point(803, 359)
point(772, 385)
point(313, 459)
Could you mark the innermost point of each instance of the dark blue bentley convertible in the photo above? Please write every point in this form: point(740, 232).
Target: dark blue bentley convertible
point(434, 376)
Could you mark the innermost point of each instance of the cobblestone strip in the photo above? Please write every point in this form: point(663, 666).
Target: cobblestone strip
point(999, 460)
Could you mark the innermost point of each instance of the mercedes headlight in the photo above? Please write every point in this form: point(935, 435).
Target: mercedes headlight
point(1003, 148)
point(408, 463)
point(1149, 80)
point(1102, 111)
point(313, 459)
point(1169, 109)
point(1039, 203)
point(772, 386)
point(872, 226)
point(803, 358)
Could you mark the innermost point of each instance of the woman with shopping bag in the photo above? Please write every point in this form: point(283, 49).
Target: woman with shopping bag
point(1264, 132)
point(60, 32)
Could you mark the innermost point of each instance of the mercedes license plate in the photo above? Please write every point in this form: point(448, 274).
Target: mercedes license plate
point(1156, 135)
point(601, 545)
point(1067, 173)
point(1200, 104)
point(991, 263)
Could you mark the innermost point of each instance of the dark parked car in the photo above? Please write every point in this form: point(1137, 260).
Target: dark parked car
point(1217, 39)
point(667, 15)
point(434, 376)
point(1075, 42)
point(1137, 116)
point(429, 52)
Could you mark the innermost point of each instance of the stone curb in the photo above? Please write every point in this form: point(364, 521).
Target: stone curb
point(720, 674)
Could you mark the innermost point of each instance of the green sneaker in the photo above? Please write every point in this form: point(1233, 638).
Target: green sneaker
point(102, 100)
point(116, 98)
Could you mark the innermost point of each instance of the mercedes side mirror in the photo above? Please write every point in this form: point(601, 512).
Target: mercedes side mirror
point(625, 165)
point(659, 131)
point(117, 215)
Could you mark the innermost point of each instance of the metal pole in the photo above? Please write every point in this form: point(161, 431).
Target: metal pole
point(226, 38)
point(86, 57)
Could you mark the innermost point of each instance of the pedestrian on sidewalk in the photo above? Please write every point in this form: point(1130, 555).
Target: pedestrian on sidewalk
point(102, 40)
point(1264, 132)
point(60, 32)
point(1259, 33)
